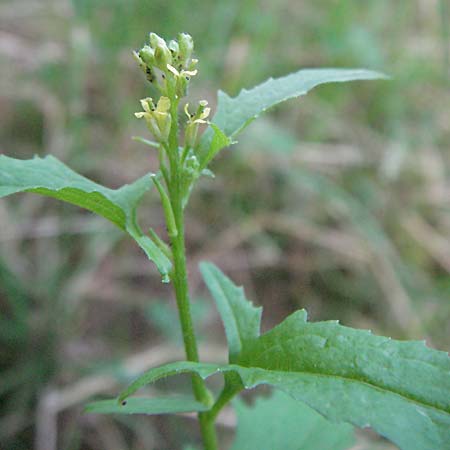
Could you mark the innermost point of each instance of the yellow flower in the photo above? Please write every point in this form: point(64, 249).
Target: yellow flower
point(194, 120)
point(182, 78)
point(158, 119)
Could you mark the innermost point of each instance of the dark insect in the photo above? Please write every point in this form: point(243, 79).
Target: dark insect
point(149, 74)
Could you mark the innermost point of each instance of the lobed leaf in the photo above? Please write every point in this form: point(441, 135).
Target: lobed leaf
point(143, 405)
point(50, 177)
point(234, 114)
point(241, 319)
point(280, 422)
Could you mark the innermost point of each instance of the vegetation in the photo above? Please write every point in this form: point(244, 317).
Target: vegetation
point(348, 204)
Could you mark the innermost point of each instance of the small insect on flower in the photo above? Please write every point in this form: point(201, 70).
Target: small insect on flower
point(149, 74)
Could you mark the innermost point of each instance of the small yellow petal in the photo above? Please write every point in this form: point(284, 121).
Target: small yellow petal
point(145, 102)
point(205, 113)
point(163, 105)
point(173, 70)
point(189, 73)
point(186, 110)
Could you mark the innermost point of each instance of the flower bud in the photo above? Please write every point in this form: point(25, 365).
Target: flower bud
point(155, 40)
point(190, 135)
point(181, 86)
point(163, 118)
point(186, 44)
point(162, 57)
point(138, 59)
point(147, 54)
point(174, 48)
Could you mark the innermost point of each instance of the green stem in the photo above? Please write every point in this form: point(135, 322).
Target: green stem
point(180, 282)
point(225, 396)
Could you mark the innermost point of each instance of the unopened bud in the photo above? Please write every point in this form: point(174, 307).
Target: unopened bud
point(147, 54)
point(164, 124)
point(190, 136)
point(162, 57)
point(155, 40)
point(138, 59)
point(186, 44)
point(174, 48)
point(181, 86)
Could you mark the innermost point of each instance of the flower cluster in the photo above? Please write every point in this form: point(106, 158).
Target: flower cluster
point(168, 66)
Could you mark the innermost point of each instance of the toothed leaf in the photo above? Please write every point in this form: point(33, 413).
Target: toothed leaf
point(399, 388)
point(50, 177)
point(234, 114)
point(241, 319)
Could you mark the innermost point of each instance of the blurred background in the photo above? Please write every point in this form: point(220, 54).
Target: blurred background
point(338, 202)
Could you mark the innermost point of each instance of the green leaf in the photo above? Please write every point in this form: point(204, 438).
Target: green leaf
point(234, 114)
point(241, 319)
point(50, 177)
point(401, 389)
point(142, 405)
point(297, 426)
point(219, 141)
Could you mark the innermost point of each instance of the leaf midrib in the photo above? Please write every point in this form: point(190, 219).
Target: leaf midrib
point(350, 379)
point(212, 369)
point(109, 206)
point(273, 347)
